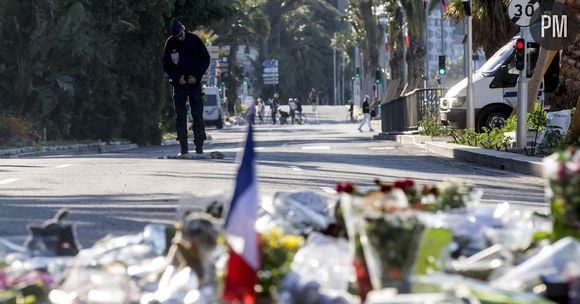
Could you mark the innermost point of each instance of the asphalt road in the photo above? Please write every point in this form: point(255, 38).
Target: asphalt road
point(119, 193)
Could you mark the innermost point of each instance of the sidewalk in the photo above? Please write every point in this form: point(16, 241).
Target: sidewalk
point(514, 162)
point(98, 147)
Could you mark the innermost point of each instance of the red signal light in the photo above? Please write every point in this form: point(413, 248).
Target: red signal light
point(520, 54)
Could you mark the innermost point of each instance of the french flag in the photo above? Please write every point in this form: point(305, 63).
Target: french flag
point(241, 234)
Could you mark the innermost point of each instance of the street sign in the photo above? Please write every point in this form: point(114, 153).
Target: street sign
point(271, 70)
point(270, 75)
point(524, 12)
point(271, 63)
point(214, 51)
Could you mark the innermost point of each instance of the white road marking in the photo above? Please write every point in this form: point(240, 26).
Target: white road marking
point(63, 166)
point(295, 168)
point(8, 181)
point(315, 148)
point(381, 148)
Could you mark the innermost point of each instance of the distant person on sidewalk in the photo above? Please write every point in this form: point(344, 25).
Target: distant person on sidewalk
point(298, 109)
point(185, 60)
point(351, 110)
point(274, 107)
point(313, 98)
point(292, 105)
point(251, 113)
point(366, 109)
point(261, 110)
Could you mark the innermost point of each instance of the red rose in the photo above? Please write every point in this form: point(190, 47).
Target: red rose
point(347, 187)
point(399, 184)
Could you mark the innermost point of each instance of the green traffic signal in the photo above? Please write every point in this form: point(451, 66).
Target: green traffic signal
point(378, 81)
point(441, 71)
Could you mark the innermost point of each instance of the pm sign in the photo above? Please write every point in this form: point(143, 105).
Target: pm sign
point(556, 28)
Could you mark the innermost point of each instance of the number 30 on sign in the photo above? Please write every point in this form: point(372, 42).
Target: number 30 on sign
point(524, 12)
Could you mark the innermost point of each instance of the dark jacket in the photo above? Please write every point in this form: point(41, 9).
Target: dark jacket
point(366, 107)
point(185, 58)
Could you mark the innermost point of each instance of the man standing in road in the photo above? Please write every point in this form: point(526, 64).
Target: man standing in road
point(185, 60)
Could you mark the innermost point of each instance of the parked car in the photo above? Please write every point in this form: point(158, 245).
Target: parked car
point(212, 107)
point(495, 90)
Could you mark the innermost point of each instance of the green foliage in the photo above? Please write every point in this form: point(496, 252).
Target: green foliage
point(91, 69)
point(488, 139)
point(537, 118)
point(16, 131)
point(511, 124)
point(431, 127)
point(467, 137)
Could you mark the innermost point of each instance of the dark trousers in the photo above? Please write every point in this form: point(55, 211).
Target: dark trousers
point(180, 95)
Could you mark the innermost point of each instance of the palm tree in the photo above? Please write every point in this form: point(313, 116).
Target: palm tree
point(489, 16)
point(415, 17)
point(369, 36)
point(248, 25)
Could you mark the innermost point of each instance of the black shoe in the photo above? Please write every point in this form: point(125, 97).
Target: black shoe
point(198, 150)
point(184, 147)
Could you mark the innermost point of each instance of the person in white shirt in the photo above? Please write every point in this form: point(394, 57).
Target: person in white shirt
point(366, 109)
point(293, 107)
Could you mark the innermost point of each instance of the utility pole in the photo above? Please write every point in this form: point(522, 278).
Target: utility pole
point(522, 127)
point(426, 76)
point(334, 71)
point(470, 115)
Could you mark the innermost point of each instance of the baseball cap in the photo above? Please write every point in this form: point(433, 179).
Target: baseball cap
point(175, 27)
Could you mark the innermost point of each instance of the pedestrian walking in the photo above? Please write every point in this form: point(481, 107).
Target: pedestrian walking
point(251, 113)
point(313, 99)
point(292, 105)
point(274, 107)
point(185, 60)
point(366, 109)
point(351, 110)
point(299, 109)
point(261, 110)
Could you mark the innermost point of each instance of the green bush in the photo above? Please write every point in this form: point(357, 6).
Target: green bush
point(431, 127)
point(17, 131)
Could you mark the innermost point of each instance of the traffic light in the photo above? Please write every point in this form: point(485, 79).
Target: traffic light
point(357, 72)
point(442, 70)
point(520, 53)
point(378, 75)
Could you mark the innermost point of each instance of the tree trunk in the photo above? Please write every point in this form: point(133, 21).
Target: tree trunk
point(416, 61)
point(544, 60)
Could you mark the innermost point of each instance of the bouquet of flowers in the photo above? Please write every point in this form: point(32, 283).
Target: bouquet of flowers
point(278, 250)
point(563, 192)
point(449, 194)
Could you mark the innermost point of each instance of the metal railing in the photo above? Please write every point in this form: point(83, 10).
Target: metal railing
point(404, 113)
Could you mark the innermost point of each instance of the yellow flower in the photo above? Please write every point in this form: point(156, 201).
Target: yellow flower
point(292, 241)
point(276, 232)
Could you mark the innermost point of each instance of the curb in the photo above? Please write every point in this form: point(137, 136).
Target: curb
point(411, 139)
point(490, 158)
point(100, 147)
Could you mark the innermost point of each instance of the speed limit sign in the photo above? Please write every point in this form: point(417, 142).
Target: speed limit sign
point(524, 12)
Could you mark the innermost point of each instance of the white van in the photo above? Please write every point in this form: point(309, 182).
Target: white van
point(212, 107)
point(495, 90)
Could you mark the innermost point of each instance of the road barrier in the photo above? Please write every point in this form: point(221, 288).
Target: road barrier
point(404, 113)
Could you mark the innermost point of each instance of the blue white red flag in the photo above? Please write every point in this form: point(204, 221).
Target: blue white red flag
point(241, 234)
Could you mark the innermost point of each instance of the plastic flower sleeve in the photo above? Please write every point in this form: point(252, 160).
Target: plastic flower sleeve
point(551, 260)
point(302, 212)
point(317, 276)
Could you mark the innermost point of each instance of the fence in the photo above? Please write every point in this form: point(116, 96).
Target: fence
point(404, 113)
